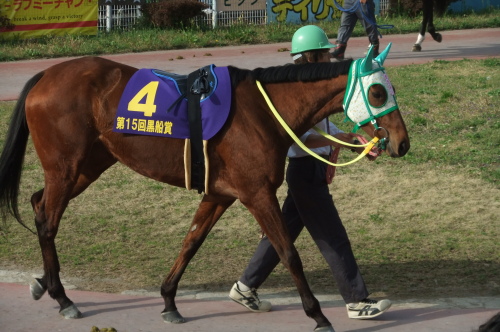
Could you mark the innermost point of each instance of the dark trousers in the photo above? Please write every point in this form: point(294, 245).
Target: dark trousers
point(348, 22)
point(310, 204)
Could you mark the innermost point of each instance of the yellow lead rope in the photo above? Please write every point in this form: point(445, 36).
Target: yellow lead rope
point(368, 146)
point(332, 138)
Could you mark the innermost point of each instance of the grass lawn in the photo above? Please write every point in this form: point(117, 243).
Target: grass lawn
point(421, 226)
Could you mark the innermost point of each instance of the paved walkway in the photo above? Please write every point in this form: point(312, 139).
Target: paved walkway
point(134, 312)
point(456, 45)
point(215, 312)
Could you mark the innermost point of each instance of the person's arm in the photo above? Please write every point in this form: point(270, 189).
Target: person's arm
point(313, 140)
point(334, 131)
point(316, 141)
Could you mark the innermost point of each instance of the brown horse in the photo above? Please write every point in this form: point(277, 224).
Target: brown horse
point(70, 108)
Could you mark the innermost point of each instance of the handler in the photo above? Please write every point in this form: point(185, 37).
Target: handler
point(309, 203)
point(348, 23)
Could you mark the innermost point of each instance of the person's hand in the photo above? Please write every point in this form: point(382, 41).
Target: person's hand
point(361, 149)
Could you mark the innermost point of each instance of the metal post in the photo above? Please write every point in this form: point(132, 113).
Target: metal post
point(214, 14)
point(138, 13)
point(109, 18)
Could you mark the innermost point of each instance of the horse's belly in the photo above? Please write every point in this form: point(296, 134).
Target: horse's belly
point(158, 158)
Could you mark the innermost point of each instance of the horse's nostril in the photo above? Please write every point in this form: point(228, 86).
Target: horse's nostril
point(403, 148)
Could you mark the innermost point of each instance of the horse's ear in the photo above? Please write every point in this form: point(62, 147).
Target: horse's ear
point(366, 64)
point(381, 57)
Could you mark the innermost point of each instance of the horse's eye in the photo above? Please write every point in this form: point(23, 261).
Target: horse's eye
point(377, 95)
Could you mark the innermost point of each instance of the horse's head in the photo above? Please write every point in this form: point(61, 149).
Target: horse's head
point(370, 102)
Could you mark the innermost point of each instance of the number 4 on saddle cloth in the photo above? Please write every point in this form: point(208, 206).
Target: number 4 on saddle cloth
point(193, 107)
point(150, 104)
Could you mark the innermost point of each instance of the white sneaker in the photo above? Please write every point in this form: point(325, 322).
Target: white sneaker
point(367, 308)
point(249, 299)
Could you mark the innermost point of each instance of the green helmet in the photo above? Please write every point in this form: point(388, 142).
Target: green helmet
point(309, 37)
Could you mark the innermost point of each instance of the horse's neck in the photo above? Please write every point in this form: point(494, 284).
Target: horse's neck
point(302, 105)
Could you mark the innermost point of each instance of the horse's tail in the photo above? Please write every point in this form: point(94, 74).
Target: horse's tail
point(12, 157)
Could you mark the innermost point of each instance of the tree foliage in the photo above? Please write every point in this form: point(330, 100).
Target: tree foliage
point(172, 13)
point(414, 7)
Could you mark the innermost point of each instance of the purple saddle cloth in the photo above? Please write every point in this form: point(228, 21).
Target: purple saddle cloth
point(150, 105)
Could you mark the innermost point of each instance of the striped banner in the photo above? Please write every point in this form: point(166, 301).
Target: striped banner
point(35, 18)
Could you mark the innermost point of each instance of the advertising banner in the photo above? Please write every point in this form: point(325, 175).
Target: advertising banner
point(34, 18)
point(121, 2)
point(240, 5)
point(302, 11)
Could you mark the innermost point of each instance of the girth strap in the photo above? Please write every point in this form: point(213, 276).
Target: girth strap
point(198, 85)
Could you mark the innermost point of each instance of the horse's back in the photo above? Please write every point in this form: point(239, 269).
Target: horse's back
point(78, 85)
point(87, 77)
point(93, 63)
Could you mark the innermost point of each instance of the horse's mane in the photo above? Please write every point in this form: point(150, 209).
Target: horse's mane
point(292, 72)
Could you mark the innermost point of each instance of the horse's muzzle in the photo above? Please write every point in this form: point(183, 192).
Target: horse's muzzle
point(397, 150)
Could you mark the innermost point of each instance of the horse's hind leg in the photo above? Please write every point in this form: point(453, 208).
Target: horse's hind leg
point(209, 211)
point(48, 212)
point(49, 205)
point(432, 30)
point(427, 25)
point(265, 208)
point(426, 15)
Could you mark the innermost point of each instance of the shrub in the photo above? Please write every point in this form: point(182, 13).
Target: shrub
point(172, 13)
point(6, 24)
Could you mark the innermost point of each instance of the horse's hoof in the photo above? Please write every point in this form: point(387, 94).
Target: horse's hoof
point(71, 312)
point(324, 329)
point(437, 37)
point(173, 317)
point(416, 48)
point(36, 289)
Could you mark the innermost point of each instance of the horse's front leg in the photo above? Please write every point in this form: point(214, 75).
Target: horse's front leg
point(47, 225)
point(265, 208)
point(209, 211)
